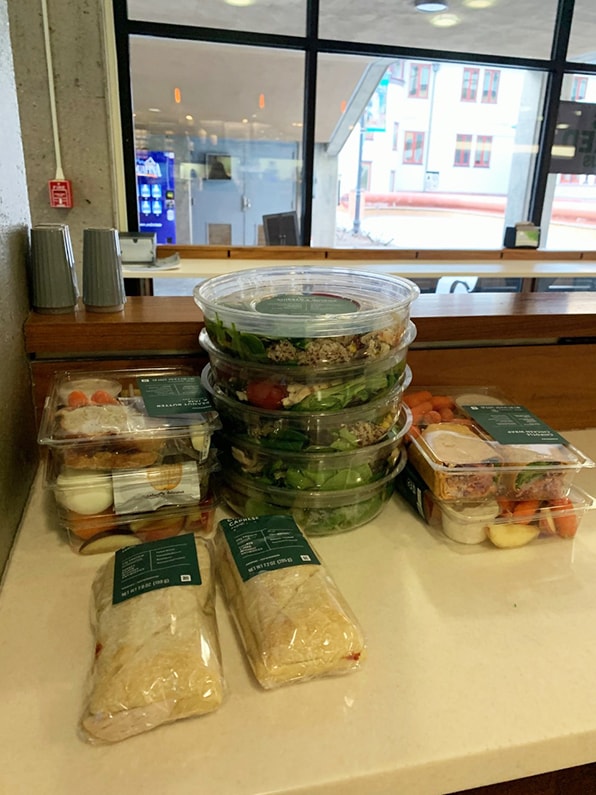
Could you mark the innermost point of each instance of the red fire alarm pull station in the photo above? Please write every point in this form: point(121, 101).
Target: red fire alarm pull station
point(60, 193)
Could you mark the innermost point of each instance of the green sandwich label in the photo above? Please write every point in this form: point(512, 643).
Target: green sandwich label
point(266, 543)
point(166, 395)
point(157, 564)
point(513, 425)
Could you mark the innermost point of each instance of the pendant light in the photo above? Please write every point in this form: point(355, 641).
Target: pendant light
point(430, 6)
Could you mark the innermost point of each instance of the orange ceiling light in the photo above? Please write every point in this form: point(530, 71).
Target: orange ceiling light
point(177, 96)
point(261, 101)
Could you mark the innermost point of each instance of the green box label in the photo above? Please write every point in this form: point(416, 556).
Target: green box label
point(266, 543)
point(513, 425)
point(165, 395)
point(157, 564)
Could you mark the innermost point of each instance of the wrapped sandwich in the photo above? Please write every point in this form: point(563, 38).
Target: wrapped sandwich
point(157, 655)
point(293, 621)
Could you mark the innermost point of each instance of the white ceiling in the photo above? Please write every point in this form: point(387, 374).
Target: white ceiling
point(220, 84)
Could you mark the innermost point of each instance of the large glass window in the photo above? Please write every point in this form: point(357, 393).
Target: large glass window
point(569, 218)
point(352, 125)
point(498, 27)
point(232, 139)
point(279, 16)
point(451, 188)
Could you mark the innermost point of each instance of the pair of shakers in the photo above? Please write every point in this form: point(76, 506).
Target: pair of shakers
point(52, 274)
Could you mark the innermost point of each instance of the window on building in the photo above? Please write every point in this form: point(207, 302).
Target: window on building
point(394, 136)
point(419, 80)
point(482, 152)
point(469, 87)
point(397, 71)
point(463, 148)
point(578, 88)
point(490, 85)
point(413, 147)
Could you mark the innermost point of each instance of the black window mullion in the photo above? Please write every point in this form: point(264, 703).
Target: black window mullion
point(551, 108)
point(126, 112)
point(308, 120)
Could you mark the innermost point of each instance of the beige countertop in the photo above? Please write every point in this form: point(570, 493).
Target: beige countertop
point(481, 668)
point(414, 268)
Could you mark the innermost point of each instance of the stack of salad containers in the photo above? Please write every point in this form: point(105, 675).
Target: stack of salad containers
point(485, 470)
point(307, 369)
point(129, 456)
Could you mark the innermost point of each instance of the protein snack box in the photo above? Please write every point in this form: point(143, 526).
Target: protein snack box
point(126, 419)
point(310, 316)
point(472, 443)
point(103, 510)
point(504, 523)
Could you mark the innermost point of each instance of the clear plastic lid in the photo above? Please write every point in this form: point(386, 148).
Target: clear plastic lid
point(470, 442)
point(305, 302)
point(347, 429)
point(143, 404)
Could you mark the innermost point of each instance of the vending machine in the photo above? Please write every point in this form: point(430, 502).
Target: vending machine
point(156, 201)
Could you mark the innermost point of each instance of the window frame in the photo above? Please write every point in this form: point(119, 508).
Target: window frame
point(462, 157)
point(415, 82)
point(414, 136)
point(490, 92)
point(469, 84)
point(579, 87)
point(483, 150)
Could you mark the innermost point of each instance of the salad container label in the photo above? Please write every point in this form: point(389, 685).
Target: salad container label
point(315, 304)
point(266, 543)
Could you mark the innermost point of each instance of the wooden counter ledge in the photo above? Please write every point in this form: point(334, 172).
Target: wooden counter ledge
point(514, 341)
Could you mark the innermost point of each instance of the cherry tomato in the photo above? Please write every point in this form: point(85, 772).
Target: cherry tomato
point(265, 394)
point(104, 398)
point(76, 399)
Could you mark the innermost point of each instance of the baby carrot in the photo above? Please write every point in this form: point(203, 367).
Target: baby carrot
point(412, 399)
point(419, 410)
point(525, 510)
point(442, 402)
point(566, 523)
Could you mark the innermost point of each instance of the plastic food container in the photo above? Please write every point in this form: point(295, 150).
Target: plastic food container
point(469, 444)
point(348, 429)
point(306, 315)
point(326, 387)
point(510, 524)
point(315, 512)
point(126, 419)
point(104, 534)
point(315, 471)
point(110, 507)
